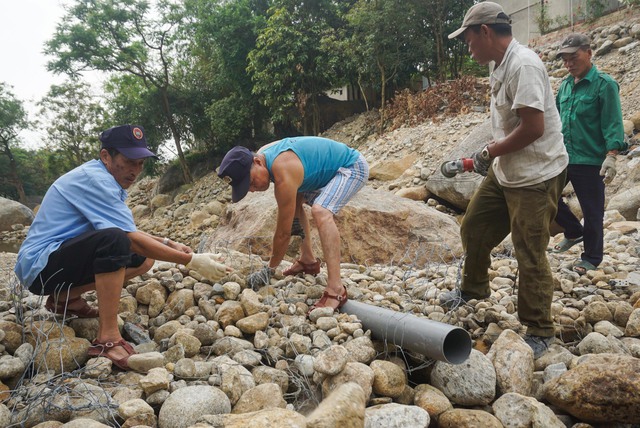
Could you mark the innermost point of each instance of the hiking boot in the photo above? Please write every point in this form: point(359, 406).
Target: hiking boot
point(539, 344)
point(456, 297)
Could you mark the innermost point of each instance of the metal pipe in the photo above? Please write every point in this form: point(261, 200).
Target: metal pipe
point(434, 339)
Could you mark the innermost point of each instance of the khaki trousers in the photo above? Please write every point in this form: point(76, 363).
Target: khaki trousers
point(526, 212)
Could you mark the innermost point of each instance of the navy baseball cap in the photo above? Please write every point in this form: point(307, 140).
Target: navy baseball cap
point(128, 140)
point(237, 166)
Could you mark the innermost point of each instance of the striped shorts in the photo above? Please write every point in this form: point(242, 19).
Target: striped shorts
point(341, 188)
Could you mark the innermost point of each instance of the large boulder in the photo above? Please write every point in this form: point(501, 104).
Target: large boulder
point(387, 170)
point(375, 227)
point(626, 202)
point(602, 388)
point(12, 212)
point(459, 189)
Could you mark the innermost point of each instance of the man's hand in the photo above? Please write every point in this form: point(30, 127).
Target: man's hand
point(207, 265)
point(481, 161)
point(260, 278)
point(608, 170)
point(180, 247)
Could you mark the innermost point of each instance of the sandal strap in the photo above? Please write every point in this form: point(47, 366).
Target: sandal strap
point(300, 266)
point(101, 349)
point(62, 306)
point(309, 266)
point(59, 303)
point(105, 346)
point(340, 298)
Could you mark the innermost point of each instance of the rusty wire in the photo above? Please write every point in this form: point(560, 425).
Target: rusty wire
point(41, 392)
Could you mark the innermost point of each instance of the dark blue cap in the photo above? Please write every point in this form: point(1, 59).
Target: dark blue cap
point(237, 166)
point(128, 140)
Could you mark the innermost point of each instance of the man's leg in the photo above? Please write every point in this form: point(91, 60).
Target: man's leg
point(75, 292)
point(333, 197)
point(589, 189)
point(532, 208)
point(101, 261)
point(565, 217)
point(306, 251)
point(485, 225)
point(72, 268)
point(330, 241)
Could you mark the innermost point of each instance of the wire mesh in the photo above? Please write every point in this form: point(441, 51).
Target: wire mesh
point(41, 393)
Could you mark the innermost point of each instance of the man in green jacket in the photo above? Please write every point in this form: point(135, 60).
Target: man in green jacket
point(589, 106)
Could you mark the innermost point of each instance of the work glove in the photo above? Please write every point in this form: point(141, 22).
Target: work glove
point(481, 163)
point(260, 278)
point(208, 266)
point(608, 170)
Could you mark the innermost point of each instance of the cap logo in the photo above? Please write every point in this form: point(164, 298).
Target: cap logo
point(137, 133)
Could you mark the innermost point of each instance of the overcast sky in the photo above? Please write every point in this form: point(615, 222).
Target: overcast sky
point(25, 26)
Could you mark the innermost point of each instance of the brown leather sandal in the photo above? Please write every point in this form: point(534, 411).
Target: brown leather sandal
point(101, 349)
point(340, 298)
point(61, 306)
point(299, 267)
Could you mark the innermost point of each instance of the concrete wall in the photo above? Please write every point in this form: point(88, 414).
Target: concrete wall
point(524, 13)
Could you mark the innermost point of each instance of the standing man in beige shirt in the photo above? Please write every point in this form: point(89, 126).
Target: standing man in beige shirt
point(525, 168)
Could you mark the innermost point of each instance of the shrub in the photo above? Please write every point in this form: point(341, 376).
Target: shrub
point(449, 98)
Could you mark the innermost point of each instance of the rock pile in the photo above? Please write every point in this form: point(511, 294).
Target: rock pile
point(225, 355)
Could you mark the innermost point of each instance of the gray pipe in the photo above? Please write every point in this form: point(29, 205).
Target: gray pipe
point(434, 339)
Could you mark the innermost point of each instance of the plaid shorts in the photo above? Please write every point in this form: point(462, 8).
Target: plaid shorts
point(341, 188)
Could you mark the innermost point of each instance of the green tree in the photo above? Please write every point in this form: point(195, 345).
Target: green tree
point(125, 37)
point(384, 35)
point(295, 58)
point(222, 34)
point(13, 119)
point(443, 57)
point(73, 119)
point(34, 171)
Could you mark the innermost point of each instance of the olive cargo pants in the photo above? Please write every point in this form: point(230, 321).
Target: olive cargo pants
point(526, 212)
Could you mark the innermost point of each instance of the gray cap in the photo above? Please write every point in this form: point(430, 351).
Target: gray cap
point(573, 42)
point(486, 12)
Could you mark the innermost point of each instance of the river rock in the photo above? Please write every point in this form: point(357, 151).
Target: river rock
point(602, 388)
point(186, 405)
point(470, 383)
point(344, 408)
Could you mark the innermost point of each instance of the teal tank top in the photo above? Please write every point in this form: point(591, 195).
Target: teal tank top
point(321, 158)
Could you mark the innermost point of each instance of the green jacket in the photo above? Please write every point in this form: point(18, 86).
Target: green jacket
point(591, 117)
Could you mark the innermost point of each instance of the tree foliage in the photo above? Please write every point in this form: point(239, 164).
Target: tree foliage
point(223, 34)
point(13, 119)
point(210, 74)
point(443, 58)
point(295, 58)
point(123, 36)
point(382, 34)
point(73, 119)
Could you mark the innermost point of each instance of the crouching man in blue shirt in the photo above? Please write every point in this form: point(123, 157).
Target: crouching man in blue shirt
point(84, 238)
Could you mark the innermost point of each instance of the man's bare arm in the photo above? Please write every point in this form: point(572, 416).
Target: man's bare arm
point(150, 246)
point(288, 174)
